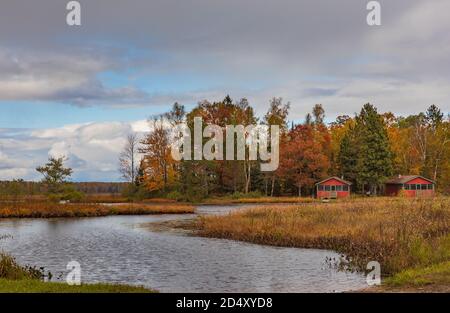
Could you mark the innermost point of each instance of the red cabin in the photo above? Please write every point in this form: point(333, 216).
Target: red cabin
point(410, 185)
point(333, 188)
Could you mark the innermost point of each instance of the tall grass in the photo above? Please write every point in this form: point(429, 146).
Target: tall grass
point(398, 233)
point(246, 199)
point(17, 278)
point(10, 269)
point(50, 209)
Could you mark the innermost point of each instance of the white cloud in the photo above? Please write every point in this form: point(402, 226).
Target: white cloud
point(92, 150)
point(307, 52)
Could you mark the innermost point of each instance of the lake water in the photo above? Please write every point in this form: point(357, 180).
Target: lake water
point(123, 249)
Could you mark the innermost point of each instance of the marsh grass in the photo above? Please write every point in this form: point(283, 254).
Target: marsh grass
point(51, 209)
point(256, 200)
point(10, 269)
point(17, 278)
point(398, 233)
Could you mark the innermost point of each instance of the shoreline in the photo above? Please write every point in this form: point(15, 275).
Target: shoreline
point(430, 278)
point(39, 286)
point(55, 210)
point(188, 227)
point(335, 227)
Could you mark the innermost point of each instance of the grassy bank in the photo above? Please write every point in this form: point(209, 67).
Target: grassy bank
point(401, 234)
point(38, 286)
point(435, 277)
point(50, 209)
point(18, 278)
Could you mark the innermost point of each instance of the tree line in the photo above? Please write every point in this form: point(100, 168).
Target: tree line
point(366, 149)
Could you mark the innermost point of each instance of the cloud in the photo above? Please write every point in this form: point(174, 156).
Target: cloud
point(141, 53)
point(61, 77)
point(235, 44)
point(92, 150)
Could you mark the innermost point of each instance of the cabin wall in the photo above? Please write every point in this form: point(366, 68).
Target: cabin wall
point(394, 189)
point(329, 194)
point(419, 193)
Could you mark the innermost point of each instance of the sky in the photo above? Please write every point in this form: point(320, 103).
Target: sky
point(79, 90)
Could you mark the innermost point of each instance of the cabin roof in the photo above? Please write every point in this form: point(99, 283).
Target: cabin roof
point(406, 178)
point(334, 177)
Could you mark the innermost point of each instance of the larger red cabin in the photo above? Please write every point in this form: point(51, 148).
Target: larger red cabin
point(333, 188)
point(410, 186)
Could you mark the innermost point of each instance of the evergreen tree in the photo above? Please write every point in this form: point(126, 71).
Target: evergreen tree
point(434, 116)
point(349, 155)
point(375, 156)
point(55, 174)
point(319, 114)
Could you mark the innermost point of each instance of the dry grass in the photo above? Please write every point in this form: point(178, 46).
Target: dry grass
point(228, 200)
point(104, 198)
point(49, 209)
point(88, 198)
point(398, 233)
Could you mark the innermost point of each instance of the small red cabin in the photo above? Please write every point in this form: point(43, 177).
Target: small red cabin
point(333, 188)
point(410, 185)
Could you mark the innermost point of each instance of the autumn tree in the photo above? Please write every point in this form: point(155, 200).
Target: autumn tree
point(303, 160)
point(337, 132)
point(221, 175)
point(436, 133)
point(277, 114)
point(157, 163)
point(176, 115)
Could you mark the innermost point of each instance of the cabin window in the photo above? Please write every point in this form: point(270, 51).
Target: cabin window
point(406, 187)
point(430, 187)
point(320, 188)
point(333, 188)
point(345, 188)
point(424, 187)
point(413, 187)
point(338, 188)
point(327, 188)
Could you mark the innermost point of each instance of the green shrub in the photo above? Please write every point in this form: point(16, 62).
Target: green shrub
point(252, 194)
point(9, 269)
point(66, 192)
point(135, 193)
point(73, 196)
point(237, 195)
point(175, 195)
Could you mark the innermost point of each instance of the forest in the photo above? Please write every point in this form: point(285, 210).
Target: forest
point(366, 149)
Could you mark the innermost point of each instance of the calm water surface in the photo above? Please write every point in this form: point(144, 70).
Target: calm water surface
point(122, 249)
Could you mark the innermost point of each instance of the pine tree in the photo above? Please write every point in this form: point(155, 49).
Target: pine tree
point(375, 156)
point(349, 155)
